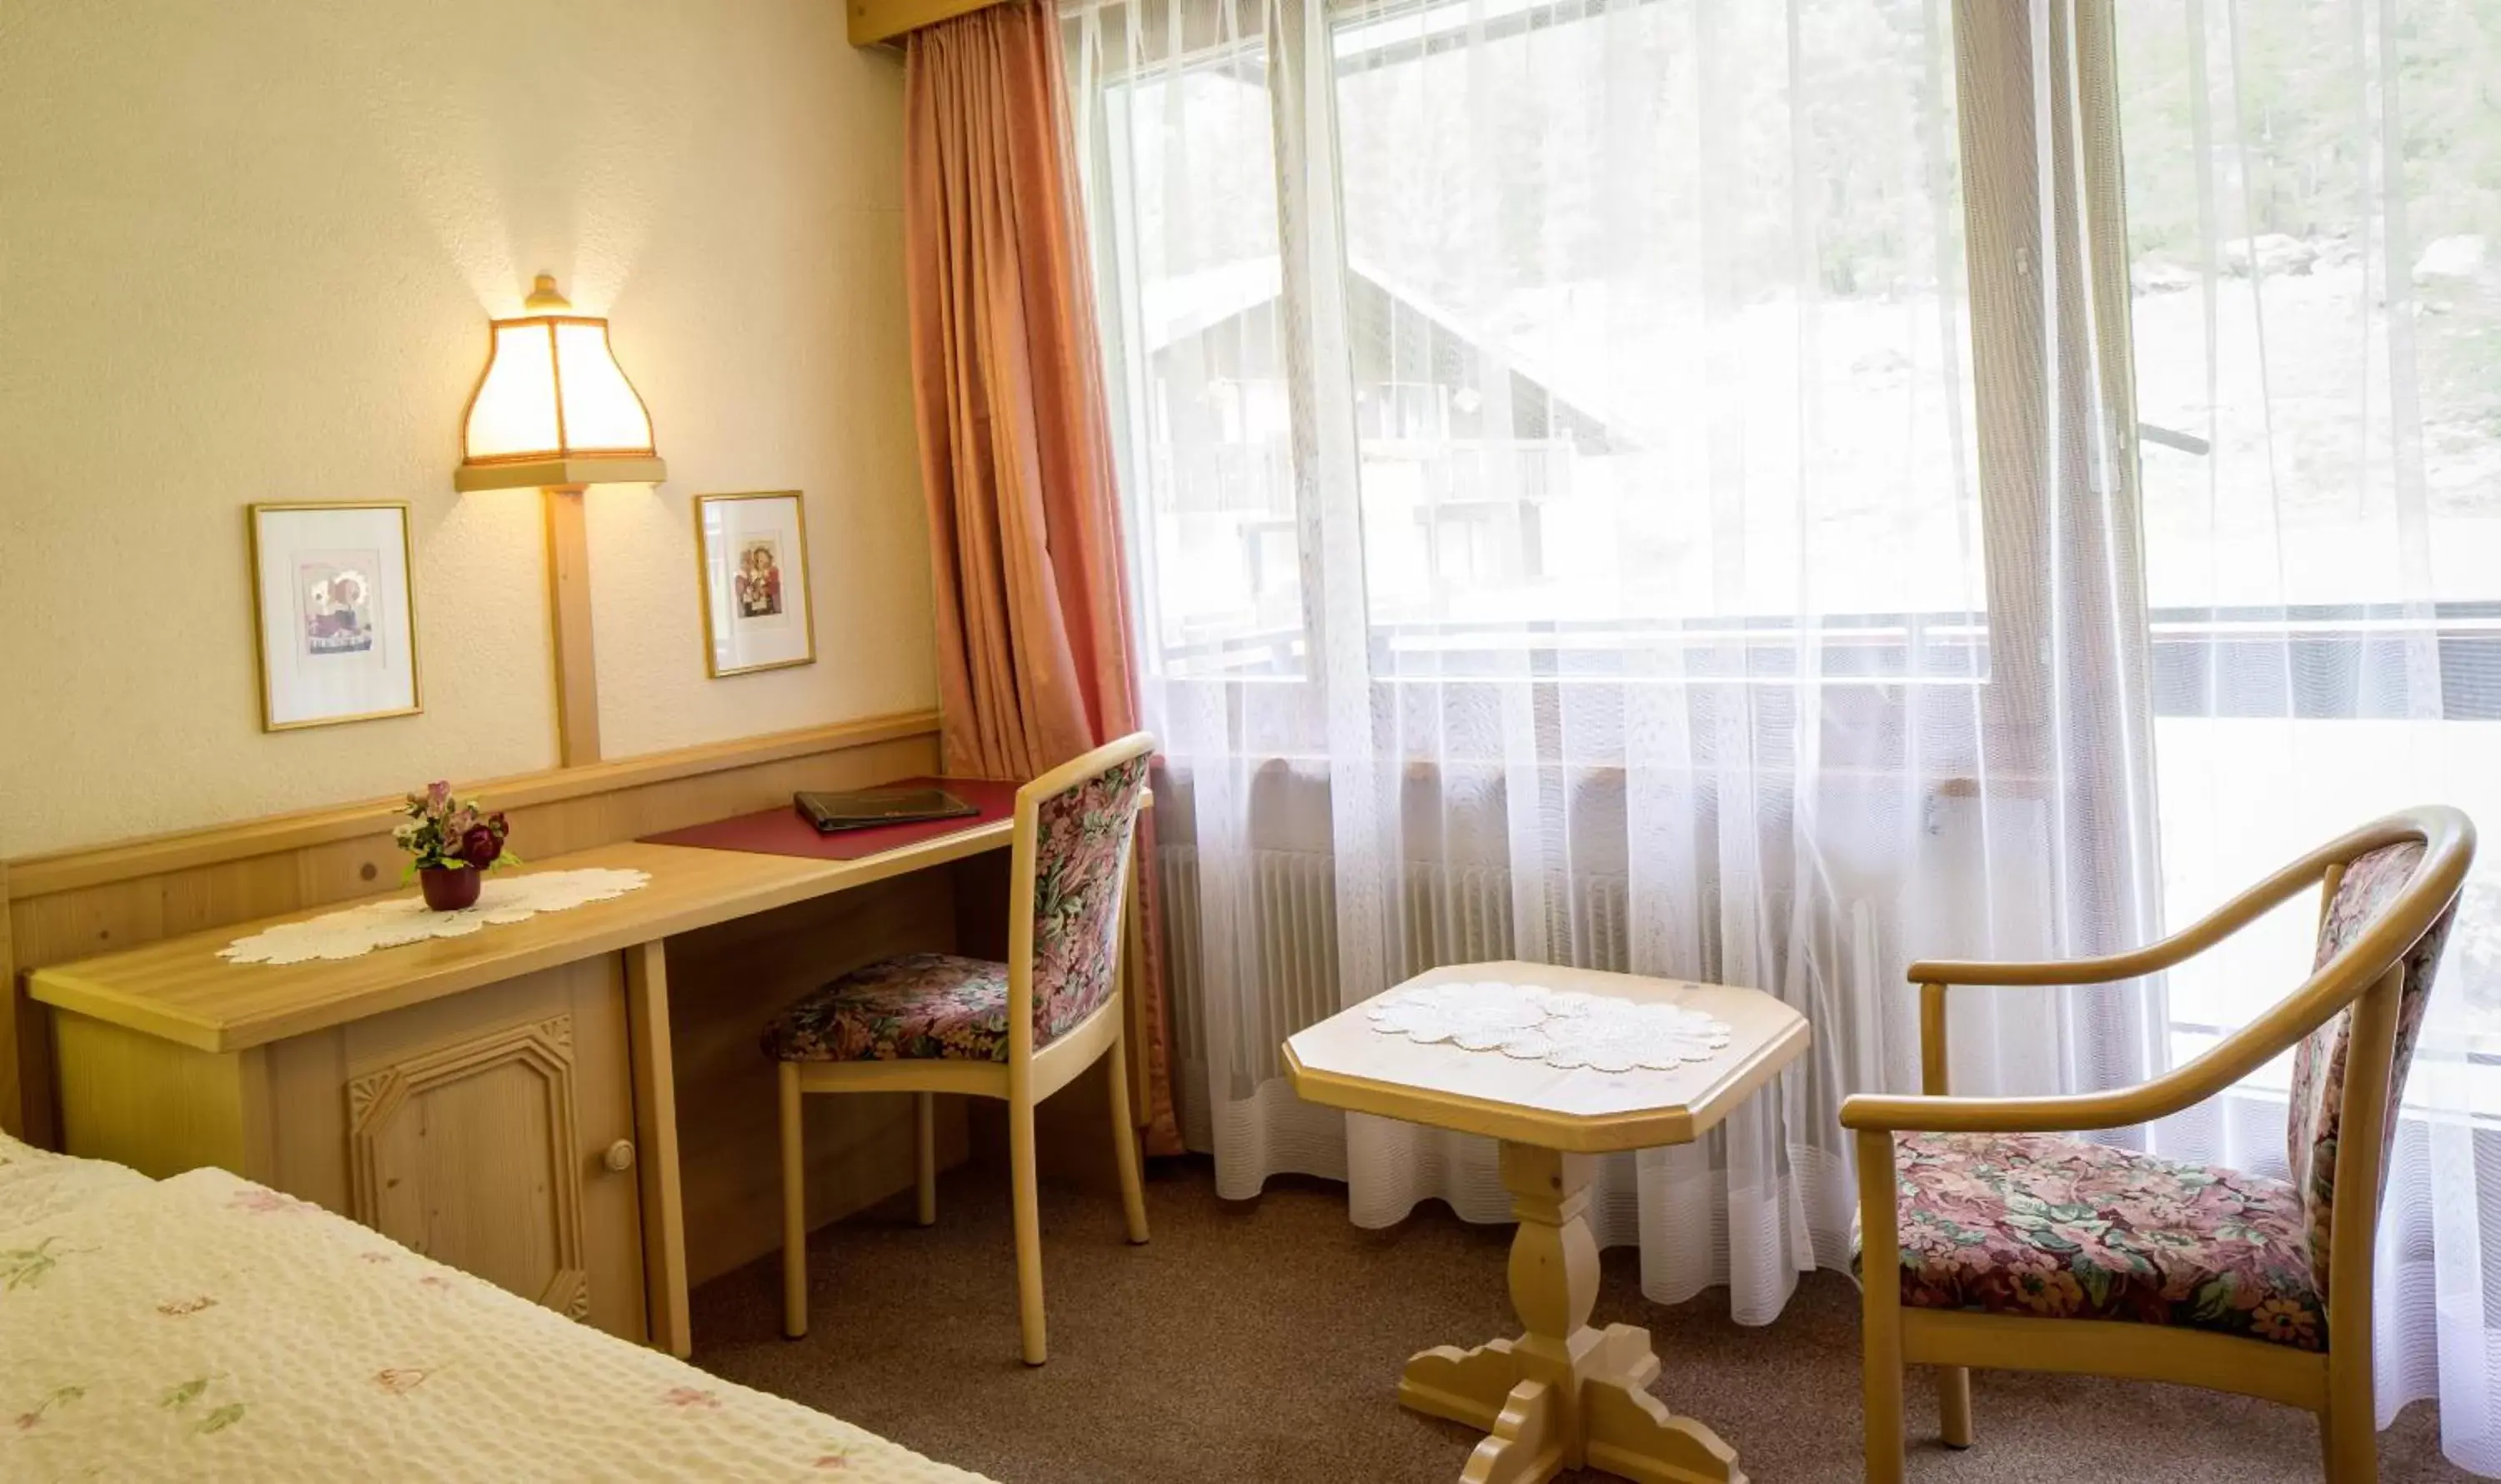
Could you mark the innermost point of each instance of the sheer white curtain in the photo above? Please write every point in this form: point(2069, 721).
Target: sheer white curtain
point(2311, 188)
point(1656, 486)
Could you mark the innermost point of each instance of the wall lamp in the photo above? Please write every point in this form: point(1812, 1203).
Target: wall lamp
point(554, 410)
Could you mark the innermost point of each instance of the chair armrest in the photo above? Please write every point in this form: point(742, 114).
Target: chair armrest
point(2221, 1065)
point(2015, 973)
point(1907, 1114)
point(2449, 841)
point(2195, 938)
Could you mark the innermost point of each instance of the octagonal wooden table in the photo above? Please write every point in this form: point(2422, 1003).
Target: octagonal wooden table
point(1563, 1395)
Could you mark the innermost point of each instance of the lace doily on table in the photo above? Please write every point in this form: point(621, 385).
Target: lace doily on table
point(1560, 1028)
point(359, 930)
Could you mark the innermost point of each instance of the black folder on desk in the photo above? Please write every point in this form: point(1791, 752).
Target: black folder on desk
point(867, 808)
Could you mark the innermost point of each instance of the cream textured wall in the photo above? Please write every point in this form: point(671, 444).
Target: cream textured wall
point(248, 249)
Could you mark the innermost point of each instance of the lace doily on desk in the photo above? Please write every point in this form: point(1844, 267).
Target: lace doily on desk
point(1560, 1028)
point(359, 930)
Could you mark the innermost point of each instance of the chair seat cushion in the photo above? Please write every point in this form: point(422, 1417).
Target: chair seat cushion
point(2049, 1227)
point(916, 1005)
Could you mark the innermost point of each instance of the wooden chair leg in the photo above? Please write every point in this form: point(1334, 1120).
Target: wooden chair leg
point(1028, 1231)
point(1880, 1365)
point(794, 1207)
point(924, 1116)
point(1880, 1324)
point(1953, 1404)
point(2348, 1435)
point(1125, 1142)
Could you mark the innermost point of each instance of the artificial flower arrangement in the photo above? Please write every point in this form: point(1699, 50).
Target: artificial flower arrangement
point(451, 844)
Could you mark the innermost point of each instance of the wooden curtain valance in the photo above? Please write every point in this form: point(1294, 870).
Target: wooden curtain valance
point(884, 21)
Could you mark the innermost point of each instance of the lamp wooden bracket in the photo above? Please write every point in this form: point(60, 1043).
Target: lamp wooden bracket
point(577, 667)
point(561, 482)
point(547, 473)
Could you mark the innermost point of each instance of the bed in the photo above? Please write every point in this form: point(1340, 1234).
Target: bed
point(207, 1327)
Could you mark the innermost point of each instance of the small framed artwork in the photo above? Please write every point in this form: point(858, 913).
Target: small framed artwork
point(753, 550)
point(337, 620)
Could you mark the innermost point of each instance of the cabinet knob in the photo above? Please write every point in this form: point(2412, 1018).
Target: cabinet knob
point(619, 1156)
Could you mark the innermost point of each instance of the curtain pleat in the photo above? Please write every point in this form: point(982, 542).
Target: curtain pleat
point(1024, 516)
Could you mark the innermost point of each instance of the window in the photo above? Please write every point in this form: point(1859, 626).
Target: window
point(1602, 389)
point(2325, 602)
point(1176, 138)
point(1574, 394)
point(1585, 427)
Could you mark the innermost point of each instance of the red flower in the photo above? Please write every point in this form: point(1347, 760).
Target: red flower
point(481, 845)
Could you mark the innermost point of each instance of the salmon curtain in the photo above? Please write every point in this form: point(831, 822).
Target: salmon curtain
point(1015, 459)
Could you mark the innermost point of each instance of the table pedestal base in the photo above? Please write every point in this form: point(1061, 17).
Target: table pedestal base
point(1564, 1395)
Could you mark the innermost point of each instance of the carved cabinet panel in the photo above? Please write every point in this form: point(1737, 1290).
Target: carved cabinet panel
point(492, 1130)
point(469, 1154)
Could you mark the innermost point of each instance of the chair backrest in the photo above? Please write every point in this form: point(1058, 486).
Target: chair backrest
point(2387, 882)
point(1074, 830)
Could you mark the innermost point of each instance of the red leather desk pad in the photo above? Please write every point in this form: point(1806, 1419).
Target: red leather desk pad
point(781, 831)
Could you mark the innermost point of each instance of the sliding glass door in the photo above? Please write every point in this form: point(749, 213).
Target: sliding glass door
point(1769, 491)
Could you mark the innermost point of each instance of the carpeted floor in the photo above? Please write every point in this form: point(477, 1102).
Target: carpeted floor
point(1259, 1342)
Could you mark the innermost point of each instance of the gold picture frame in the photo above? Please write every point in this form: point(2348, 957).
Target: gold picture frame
point(358, 654)
point(752, 576)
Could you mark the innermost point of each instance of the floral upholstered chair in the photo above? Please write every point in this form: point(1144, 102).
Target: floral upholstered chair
point(1991, 1238)
point(1020, 1030)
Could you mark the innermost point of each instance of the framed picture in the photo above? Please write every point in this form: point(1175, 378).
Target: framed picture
point(753, 550)
point(337, 620)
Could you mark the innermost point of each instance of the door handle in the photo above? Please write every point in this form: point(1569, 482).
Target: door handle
point(2173, 438)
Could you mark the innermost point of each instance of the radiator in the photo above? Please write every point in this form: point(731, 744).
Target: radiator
point(1442, 914)
point(1884, 883)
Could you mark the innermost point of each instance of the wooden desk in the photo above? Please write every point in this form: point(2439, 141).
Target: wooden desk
point(180, 990)
point(463, 1061)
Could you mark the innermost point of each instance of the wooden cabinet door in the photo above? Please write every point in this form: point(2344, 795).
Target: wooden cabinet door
point(467, 1152)
point(484, 1131)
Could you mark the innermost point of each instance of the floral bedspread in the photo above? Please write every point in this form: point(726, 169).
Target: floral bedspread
point(206, 1328)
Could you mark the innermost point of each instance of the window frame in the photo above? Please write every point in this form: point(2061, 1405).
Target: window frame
point(2026, 563)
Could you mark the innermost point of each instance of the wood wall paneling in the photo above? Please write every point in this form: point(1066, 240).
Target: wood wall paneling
point(73, 904)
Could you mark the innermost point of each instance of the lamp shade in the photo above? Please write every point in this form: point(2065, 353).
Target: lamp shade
point(552, 406)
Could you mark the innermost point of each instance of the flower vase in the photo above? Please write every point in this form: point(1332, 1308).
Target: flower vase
point(450, 887)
